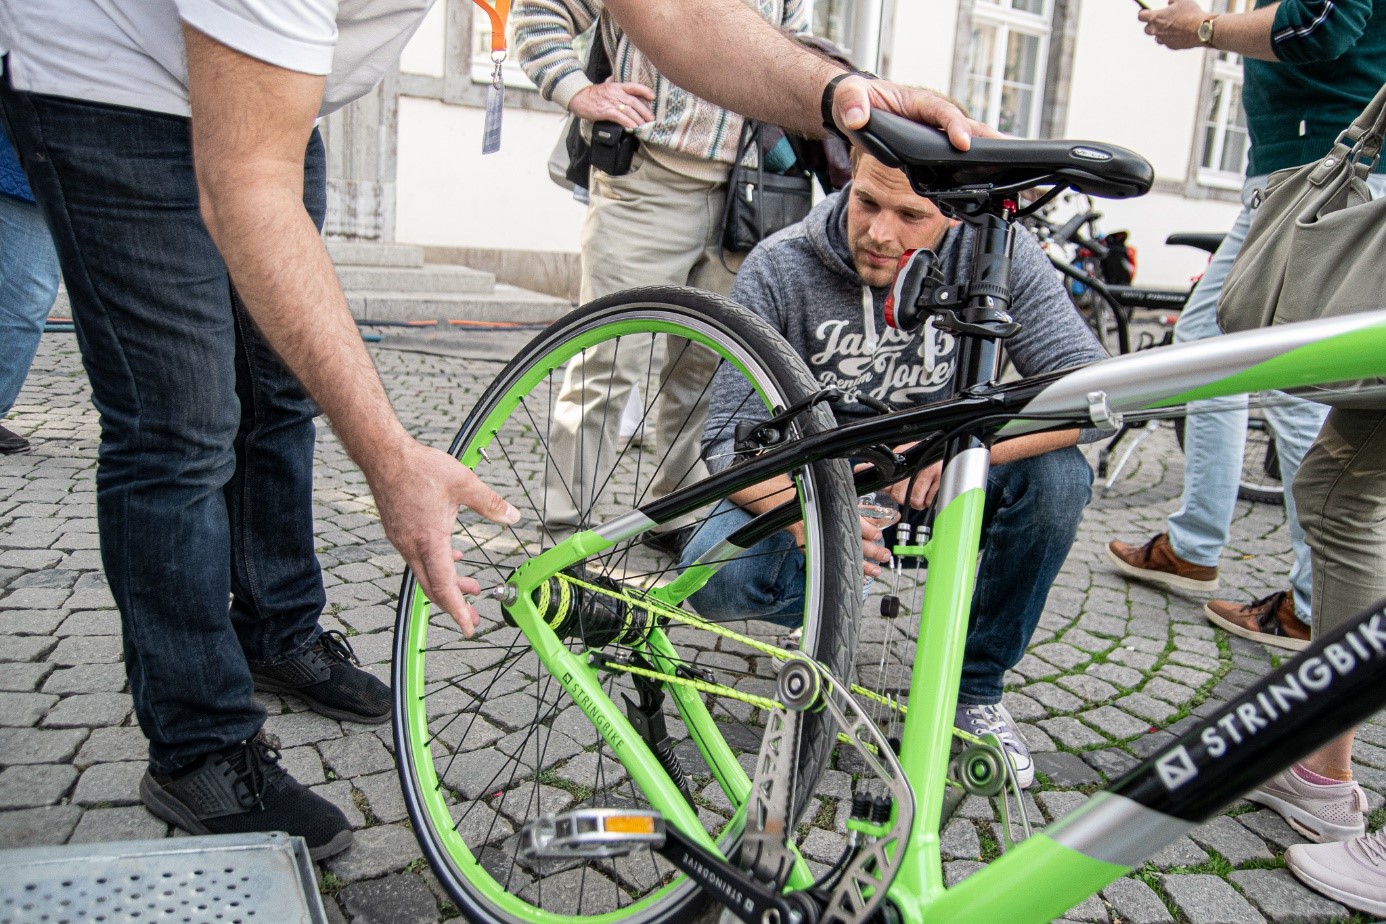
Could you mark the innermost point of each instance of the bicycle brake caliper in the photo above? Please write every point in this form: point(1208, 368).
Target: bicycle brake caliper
point(753, 437)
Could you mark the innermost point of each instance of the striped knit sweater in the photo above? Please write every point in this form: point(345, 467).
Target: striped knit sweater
point(544, 31)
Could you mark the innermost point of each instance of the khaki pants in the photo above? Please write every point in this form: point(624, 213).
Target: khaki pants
point(1341, 495)
point(653, 226)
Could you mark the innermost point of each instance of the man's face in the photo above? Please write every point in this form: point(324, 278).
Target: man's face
point(885, 218)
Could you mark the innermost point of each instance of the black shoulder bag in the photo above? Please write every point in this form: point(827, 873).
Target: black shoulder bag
point(761, 202)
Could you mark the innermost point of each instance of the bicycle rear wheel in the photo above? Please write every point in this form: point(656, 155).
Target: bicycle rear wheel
point(1110, 323)
point(1260, 479)
point(488, 737)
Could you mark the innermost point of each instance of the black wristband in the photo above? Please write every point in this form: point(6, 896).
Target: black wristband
point(826, 106)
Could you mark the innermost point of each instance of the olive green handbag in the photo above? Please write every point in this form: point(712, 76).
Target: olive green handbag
point(1317, 248)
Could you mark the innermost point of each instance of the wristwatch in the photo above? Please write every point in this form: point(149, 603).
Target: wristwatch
point(1205, 31)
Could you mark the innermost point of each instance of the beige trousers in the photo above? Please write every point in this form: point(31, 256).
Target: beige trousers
point(653, 226)
point(1340, 492)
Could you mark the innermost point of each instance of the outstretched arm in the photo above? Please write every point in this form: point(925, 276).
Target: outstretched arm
point(1176, 26)
point(250, 126)
point(741, 62)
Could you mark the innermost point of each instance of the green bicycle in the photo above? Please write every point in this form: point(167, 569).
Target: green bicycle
point(599, 752)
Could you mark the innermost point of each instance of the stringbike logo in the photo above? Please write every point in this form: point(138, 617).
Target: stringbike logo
point(1314, 675)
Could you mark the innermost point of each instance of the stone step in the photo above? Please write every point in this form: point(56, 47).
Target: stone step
point(506, 303)
point(438, 278)
point(374, 253)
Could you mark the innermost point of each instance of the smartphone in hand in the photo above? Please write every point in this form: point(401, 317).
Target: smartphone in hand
point(1142, 4)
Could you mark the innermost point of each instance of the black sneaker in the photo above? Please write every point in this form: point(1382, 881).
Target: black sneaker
point(243, 789)
point(671, 542)
point(327, 677)
point(11, 442)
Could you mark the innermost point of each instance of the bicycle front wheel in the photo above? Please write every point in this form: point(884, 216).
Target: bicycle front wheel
point(489, 735)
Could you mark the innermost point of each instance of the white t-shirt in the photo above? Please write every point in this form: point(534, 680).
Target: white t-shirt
point(130, 52)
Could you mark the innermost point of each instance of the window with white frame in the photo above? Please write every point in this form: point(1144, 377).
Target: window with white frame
point(1223, 141)
point(1004, 63)
point(856, 26)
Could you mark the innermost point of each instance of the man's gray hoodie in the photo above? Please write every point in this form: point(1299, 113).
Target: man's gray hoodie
point(802, 280)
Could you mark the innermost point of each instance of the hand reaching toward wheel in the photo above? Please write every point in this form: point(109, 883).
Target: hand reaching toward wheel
point(418, 498)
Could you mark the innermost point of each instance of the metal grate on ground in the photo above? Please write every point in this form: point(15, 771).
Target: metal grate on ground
point(229, 879)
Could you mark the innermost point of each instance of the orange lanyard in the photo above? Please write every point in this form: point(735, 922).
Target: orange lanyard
point(495, 93)
point(498, 13)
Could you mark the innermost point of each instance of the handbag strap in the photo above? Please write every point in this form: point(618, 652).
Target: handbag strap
point(750, 140)
point(1358, 147)
point(748, 136)
point(1364, 135)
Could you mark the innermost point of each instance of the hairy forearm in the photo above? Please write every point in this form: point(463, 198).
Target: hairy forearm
point(248, 150)
point(251, 122)
point(261, 228)
point(1031, 445)
point(758, 71)
point(1247, 34)
point(765, 497)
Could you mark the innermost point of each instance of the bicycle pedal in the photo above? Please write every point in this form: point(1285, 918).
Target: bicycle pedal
point(591, 832)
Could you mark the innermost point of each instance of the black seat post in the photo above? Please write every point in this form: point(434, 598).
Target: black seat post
point(987, 318)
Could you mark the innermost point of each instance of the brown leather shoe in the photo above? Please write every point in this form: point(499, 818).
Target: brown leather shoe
point(1157, 563)
point(1270, 620)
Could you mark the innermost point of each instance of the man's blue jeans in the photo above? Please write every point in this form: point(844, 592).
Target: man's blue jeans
point(1213, 442)
point(1033, 509)
point(204, 476)
point(28, 284)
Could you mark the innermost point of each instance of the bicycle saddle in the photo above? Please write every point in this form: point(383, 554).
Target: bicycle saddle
point(1001, 166)
point(1208, 242)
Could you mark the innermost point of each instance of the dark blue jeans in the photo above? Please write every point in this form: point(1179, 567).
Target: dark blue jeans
point(1032, 512)
point(204, 475)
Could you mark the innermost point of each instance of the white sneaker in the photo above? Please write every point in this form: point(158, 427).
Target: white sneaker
point(1352, 872)
point(1321, 813)
point(995, 720)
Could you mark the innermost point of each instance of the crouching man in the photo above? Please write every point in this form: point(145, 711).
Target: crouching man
point(822, 283)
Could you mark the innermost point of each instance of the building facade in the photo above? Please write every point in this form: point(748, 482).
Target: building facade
point(407, 162)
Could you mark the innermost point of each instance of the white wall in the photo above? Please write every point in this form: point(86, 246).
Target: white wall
point(921, 42)
point(424, 53)
point(449, 194)
point(1129, 91)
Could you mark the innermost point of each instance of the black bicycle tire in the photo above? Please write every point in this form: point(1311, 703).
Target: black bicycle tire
point(839, 567)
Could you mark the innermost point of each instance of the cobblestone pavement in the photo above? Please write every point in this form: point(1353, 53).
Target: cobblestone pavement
point(1111, 661)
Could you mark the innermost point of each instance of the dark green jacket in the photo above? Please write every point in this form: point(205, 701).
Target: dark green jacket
point(1332, 61)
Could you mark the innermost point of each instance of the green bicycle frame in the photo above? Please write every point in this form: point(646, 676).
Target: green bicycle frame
point(1057, 868)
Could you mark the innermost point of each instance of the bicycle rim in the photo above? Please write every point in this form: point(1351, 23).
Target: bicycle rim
point(488, 738)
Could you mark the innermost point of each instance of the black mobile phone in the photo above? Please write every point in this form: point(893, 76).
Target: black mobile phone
point(1142, 4)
